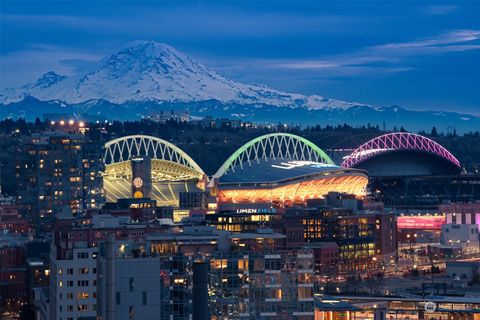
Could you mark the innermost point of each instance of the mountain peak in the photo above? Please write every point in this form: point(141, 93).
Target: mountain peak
point(147, 70)
point(145, 44)
point(146, 59)
point(48, 79)
point(148, 49)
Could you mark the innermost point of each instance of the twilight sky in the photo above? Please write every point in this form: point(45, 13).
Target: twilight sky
point(416, 54)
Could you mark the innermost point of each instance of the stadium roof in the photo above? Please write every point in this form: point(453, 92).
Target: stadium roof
point(274, 146)
point(397, 141)
point(279, 170)
point(125, 148)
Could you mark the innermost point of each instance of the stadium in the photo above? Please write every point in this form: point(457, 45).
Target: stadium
point(409, 170)
point(141, 166)
point(282, 169)
point(402, 154)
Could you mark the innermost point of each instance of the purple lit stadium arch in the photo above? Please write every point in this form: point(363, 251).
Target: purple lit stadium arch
point(397, 141)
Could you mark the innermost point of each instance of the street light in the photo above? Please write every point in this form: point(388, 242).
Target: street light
point(411, 237)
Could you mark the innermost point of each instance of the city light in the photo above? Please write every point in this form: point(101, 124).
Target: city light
point(138, 182)
point(308, 228)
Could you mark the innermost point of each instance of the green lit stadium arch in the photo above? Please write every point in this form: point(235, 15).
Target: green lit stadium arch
point(274, 146)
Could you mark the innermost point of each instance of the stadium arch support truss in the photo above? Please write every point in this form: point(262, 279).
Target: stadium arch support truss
point(125, 148)
point(397, 141)
point(273, 146)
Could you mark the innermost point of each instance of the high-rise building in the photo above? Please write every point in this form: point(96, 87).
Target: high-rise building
point(256, 278)
point(58, 172)
point(248, 275)
point(73, 261)
point(93, 194)
point(152, 270)
point(49, 173)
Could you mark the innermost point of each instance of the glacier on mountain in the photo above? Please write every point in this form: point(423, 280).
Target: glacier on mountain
point(153, 71)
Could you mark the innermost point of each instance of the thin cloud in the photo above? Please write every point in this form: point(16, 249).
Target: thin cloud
point(438, 10)
point(29, 64)
point(387, 57)
point(456, 36)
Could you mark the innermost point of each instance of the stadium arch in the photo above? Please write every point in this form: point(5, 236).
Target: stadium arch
point(274, 146)
point(397, 141)
point(171, 170)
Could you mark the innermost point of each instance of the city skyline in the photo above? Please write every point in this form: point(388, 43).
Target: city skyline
point(118, 220)
point(256, 159)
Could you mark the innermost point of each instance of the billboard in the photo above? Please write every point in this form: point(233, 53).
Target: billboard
point(421, 222)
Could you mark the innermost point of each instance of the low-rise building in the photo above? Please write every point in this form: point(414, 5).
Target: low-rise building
point(13, 291)
point(464, 235)
point(364, 237)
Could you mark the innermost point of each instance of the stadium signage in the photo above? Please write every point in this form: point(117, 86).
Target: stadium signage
point(419, 222)
point(296, 164)
point(256, 210)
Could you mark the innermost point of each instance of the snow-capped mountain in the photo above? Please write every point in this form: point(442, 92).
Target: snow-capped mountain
point(45, 81)
point(146, 78)
point(152, 71)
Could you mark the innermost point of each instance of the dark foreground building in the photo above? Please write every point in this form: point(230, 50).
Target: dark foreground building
point(116, 268)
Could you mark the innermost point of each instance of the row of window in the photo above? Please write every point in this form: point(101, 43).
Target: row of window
point(80, 307)
point(80, 295)
point(80, 283)
point(80, 271)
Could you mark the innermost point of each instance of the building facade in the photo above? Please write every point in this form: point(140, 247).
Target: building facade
point(58, 172)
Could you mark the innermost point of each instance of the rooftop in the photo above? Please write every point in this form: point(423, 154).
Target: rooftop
point(260, 233)
point(8, 239)
point(269, 171)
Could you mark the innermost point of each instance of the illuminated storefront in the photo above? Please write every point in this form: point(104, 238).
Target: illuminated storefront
point(399, 308)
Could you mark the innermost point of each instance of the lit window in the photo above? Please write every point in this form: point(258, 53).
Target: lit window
point(83, 270)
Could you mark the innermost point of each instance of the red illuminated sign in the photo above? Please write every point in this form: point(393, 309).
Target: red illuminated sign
point(425, 222)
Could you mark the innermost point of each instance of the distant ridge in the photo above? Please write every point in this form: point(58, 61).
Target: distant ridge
point(145, 77)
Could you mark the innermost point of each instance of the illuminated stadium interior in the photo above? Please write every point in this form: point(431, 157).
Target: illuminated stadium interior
point(409, 170)
point(282, 169)
point(402, 154)
point(172, 170)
